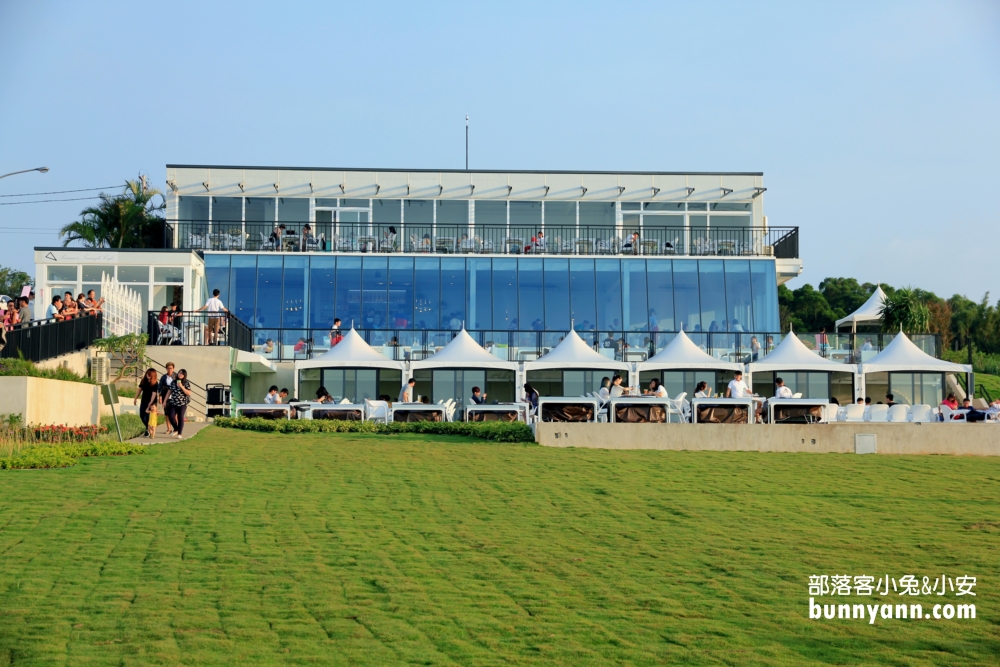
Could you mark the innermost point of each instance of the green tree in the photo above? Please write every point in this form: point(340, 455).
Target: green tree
point(12, 280)
point(132, 219)
point(904, 310)
point(845, 295)
point(804, 309)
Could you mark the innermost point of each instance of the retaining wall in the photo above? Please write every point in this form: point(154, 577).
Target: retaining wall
point(979, 439)
point(43, 402)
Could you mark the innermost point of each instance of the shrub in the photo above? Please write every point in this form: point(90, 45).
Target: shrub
point(25, 368)
point(493, 431)
point(38, 457)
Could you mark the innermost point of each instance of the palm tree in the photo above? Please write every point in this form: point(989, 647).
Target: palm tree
point(130, 220)
point(904, 311)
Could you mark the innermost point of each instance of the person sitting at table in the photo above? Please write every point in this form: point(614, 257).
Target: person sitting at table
point(972, 414)
point(267, 347)
point(702, 390)
point(283, 396)
point(890, 400)
point(531, 396)
point(323, 396)
point(478, 398)
point(993, 412)
point(406, 392)
point(860, 401)
point(605, 391)
point(781, 391)
point(425, 243)
point(632, 244)
point(275, 236)
point(656, 389)
point(616, 386)
point(272, 395)
point(426, 400)
point(301, 346)
point(306, 236)
point(951, 402)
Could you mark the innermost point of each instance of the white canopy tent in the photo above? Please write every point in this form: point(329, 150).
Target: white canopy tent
point(682, 354)
point(870, 311)
point(573, 353)
point(464, 352)
point(791, 354)
point(903, 356)
point(351, 352)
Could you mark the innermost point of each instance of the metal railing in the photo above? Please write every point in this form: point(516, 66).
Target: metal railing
point(510, 345)
point(45, 339)
point(780, 242)
point(191, 327)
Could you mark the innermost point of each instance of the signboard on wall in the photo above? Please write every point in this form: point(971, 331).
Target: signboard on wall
point(82, 257)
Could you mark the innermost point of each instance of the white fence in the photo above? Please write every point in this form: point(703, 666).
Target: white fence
point(122, 308)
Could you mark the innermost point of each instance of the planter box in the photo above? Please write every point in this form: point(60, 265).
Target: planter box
point(43, 402)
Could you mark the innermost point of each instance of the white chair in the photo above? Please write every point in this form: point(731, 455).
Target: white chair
point(878, 414)
point(898, 413)
point(266, 243)
point(854, 413)
point(949, 416)
point(377, 411)
point(166, 334)
point(388, 244)
point(797, 395)
point(312, 243)
point(831, 413)
point(679, 406)
point(921, 414)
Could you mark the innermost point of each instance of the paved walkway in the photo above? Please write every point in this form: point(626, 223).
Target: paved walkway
point(190, 428)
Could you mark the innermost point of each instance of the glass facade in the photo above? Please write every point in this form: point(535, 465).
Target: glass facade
point(279, 291)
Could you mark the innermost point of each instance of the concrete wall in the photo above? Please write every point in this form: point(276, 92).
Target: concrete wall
point(936, 438)
point(78, 362)
point(257, 384)
point(40, 401)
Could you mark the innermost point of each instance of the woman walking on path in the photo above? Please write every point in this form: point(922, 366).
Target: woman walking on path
point(177, 401)
point(148, 393)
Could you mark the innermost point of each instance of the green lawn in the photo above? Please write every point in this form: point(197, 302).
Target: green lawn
point(254, 549)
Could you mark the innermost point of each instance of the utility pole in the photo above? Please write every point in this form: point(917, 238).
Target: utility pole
point(467, 142)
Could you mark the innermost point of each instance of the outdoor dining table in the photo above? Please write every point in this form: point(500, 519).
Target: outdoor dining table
point(488, 412)
point(796, 410)
point(343, 411)
point(568, 409)
point(446, 243)
point(417, 412)
point(722, 410)
point(264, 410)
point(639, 409)
point(367, 243)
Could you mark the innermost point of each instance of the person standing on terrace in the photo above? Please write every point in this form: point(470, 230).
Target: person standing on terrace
point(215, 309)
point(335, 335)
point(54, 311)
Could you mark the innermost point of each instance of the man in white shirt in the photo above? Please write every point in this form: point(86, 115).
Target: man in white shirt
point(737, 387)
point(272, 395)
point(406, 393)
point(781, 390)
point(214, 307)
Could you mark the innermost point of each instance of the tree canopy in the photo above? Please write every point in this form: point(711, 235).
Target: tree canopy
point(132, 219)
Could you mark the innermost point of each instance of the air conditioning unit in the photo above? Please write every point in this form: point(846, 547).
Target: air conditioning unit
point(100, 370)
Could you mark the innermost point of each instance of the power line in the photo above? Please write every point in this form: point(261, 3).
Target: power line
point(60, 192)
point(43, 201)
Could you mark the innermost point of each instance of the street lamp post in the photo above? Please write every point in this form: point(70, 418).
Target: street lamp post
point(25, 171)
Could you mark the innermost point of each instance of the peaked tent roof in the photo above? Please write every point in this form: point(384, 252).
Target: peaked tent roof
point(351, 352)
point(902, 355)
point(464, 352)
point(572, 352)
point(792, 355)
point(682, 352)
point(870, 310)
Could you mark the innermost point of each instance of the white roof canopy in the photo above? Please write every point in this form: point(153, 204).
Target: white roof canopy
point(870, 310)
point(792, 355)
point(903, 356)
point(682, 353)
point(351, 352)
point(463, 352)
point(572, 352)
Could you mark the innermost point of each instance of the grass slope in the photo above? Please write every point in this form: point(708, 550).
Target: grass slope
point(342, 549)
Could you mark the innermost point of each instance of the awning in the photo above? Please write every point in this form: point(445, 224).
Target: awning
point(463, 352)
point(870, 310)
point(351, 352)
point(573, 353)
point(903, 356)
point(792, 355)
point(682, 353)
point(246, 363)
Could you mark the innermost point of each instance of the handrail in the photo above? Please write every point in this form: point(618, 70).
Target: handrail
point(194, 327)
point(44, 339)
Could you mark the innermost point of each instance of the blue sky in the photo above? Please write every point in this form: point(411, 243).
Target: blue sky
point(877, 125)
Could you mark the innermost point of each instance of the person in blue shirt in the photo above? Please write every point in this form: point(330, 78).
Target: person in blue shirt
point(477, 397)
point(54, 311)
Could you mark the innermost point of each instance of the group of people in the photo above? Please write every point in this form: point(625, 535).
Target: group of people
point(65, 307)
point(17, 313)
point(168, 394)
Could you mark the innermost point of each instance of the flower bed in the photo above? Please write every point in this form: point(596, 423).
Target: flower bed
point(495, 431)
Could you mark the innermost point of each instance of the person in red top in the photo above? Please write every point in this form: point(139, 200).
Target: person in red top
point(335, 335)
point(951, 402)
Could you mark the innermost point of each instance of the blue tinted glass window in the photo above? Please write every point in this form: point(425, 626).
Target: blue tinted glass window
point(400, 292)
point(293, 210)
point(713, 294)
point(453, 220)
point(375, 285)
point(243, 287)
point(525, 220)
point(582, 298)
point(480, 306)
point(388, 211)
point(268, 292)
point(505, 294)
point(322, 291)
point(609, 294)
point(660, 288)
point(738, 295)
point(687, 309)
point(293, 301)
point(217, 275)
point(452, 292)
point(556, 289)
point(531, 302)
point(427, 298)
point(764, 292)
point(349, 291)
point(634, 294)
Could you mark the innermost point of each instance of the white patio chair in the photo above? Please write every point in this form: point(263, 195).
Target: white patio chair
point(166, 333)
point(312, 243)
point(920, 414)
point(679, 406)
point(854, 413)
point(797, 395)
point(266, 243)
point(376, 411)
point(949, 416)
point(898, 413)
point(878, 414)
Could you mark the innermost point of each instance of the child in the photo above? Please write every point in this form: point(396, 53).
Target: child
point(152, 412)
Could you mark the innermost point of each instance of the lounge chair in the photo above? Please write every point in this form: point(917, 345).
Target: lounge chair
point(921, 414)
point(898, 413)
point(879, 414)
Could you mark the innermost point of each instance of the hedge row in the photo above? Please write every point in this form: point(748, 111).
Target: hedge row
point(494, 431)
point(56, 456)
